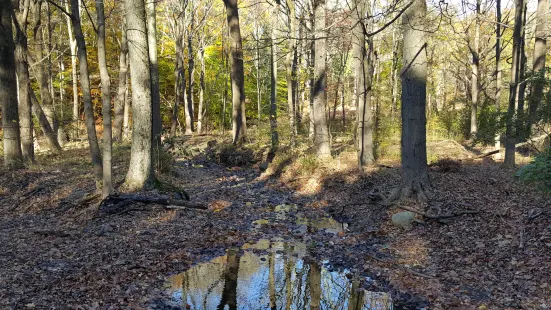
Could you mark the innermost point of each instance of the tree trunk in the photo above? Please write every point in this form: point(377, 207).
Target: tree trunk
point(415, 178)
point(85, 88)
point(498, 71)
point(107, 188)
point(475, 68)
point(43, 68)
point(239, 126)
point(74, 71)
point(538, 63)
point(140, 173)
point(179, 84)
point(289, 62)
point(273, 85)
point(321, 132)
point(510, 132)
point(13, 157)
point(157, 125)
point(23, 78)
point(202, 110)
point(121, 89)
point(190, 117)
point(127, 107)
point(53, 144)
point(394, 73)
point(363, 64)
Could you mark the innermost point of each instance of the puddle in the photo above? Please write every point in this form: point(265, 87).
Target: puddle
point(270, 275)
point(284, 212)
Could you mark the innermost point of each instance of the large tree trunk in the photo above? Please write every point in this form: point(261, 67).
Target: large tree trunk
point(415, 178)
point(127, 107)
point(140, 173)
point(23, 78)
point(157, 125)
point(8, 90)
point(394, 73)
point(475, 68)
point(363, 74)
point(538, 62)
point(289, 66)
point(510, 132)
point(321, 131)
point(121, 89)
point(179, 84)
point(107, 188)
point(85, 88)
point(239, 125)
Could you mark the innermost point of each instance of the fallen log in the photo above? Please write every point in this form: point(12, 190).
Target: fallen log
point(516, 146)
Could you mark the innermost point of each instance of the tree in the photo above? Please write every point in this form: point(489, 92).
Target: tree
point(121, 88)
point(239, 128)
point(13, 157)
point(74, 69)
point(415, 178)
point(273, 84)
point(191, 70)
point(510, 132)
point(21, 9)
point(363, 77)
point(475, 68)
point(538, 62)
point(321, 131)
point(85, 88)
point(290, 66)
point(157, 125)
point(140, 173)
point(107, 188)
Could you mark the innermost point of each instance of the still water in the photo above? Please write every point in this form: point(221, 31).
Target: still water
point(270, 274)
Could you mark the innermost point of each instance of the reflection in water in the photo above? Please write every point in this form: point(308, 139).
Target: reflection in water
point(277, 279)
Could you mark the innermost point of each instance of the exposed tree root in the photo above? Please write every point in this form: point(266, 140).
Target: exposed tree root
point(419, 189)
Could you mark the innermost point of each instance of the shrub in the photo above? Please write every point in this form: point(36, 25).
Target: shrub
point(538, 172)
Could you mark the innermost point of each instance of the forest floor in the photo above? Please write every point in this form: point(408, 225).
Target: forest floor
point(58, 251)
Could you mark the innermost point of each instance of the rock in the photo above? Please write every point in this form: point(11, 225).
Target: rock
point(403, 219)
point(263, 166)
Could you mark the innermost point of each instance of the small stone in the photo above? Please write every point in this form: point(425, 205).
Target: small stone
point(403, 219)
point(263, 166)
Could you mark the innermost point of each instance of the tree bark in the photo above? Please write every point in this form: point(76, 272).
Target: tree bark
point(190, 117)
point(289, 66)
point(498, 70)
point(127, 107)
point(121, 89)
point(510, 132)
point(23, 78)
point(13, 157)
point(273, 85)
point(415, 178)
point(157, 125)
point(74, 71)
point(85, 88)
point(239, 126)
point(538, 62)
point(475, 68)
point(53, 144)
point(394, 73)
point(107, 186)
point(202, 110)
point(363, 74)
point(43, 67)
point(140, 173)
point(321, 131)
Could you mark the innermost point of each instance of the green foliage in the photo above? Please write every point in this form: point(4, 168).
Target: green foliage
point(308, 164)
point(538, 172)
point(490, 123)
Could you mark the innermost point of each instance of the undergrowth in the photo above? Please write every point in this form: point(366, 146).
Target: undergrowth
point(538, 171)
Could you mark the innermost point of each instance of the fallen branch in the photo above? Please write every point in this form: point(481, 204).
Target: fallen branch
point(531, 141)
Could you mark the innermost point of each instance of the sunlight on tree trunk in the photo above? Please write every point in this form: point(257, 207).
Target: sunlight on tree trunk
point(120, 100)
